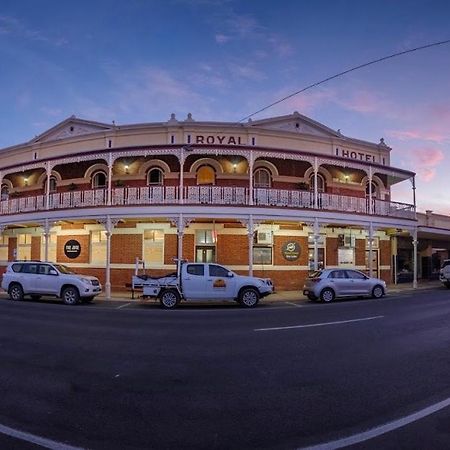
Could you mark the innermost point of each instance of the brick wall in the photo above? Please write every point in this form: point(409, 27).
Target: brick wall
point(232, 249)
point(332, 251)
point(360, 252)
point(35, 247)
point(84, 241)
point(188, 247)
point(125, 248)
point(385, 253)
point(170, 248)
point(12, 246)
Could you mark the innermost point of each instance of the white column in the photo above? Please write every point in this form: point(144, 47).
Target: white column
point(370, 249)
point(180, 233)
point(316, 236)
point(109, 225)
point(250, 178)
point(46, 238)
point(415, 242)
point(370, 191)
point(48, 170)
point(250, 233)
point(316, 190)
point(414, 195)
point(181, 183)
point(110, 167)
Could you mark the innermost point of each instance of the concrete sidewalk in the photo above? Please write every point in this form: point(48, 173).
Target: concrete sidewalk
point(290, 296)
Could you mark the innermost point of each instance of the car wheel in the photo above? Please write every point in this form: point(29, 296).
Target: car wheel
point(327, 295)
point(15, 292)
point(249, 297)
point(70, 295)
point(377, 291)
point(169, 299)
point(87, 299)
point(35, 297)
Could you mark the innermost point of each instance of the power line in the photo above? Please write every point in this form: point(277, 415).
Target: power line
point(434, 44)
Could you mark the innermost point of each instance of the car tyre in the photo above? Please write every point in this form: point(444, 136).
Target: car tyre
point(377, 291)
point(249, 297)
point(327, 295)
point(15, 292)
point(70, 295)
point(169, 299)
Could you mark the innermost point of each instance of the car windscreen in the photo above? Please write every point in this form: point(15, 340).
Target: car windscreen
point(63, 269)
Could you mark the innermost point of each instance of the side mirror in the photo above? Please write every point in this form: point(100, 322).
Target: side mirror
point(230, 274)
point(53, 272)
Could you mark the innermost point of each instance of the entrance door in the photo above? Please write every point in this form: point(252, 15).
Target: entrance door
point(205, 254)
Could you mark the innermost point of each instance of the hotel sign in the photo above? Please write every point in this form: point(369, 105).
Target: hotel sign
point(351, 154)
point(72, 249)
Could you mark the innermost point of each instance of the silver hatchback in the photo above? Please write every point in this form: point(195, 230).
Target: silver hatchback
point(329, 284)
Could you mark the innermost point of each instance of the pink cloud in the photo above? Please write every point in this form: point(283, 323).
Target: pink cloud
point(419, 134)
point(364, 101)
point(425, 162)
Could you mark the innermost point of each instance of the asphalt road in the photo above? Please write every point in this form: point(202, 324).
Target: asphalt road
point(222, 377)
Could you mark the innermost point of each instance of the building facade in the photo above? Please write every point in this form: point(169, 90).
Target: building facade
point(276, 197)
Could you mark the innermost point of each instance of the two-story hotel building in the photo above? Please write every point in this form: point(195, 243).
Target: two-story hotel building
point(276, 197)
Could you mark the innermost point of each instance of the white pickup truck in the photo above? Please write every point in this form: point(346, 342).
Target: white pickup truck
point(444, 274)
point(204, 281)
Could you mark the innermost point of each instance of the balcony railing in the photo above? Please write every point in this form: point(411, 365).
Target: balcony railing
point(206, 195)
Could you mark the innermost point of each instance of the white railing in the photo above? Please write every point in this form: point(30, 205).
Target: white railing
point(206, 195)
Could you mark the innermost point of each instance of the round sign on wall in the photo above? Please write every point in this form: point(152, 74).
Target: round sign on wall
point(291, 250)
point(72, 249)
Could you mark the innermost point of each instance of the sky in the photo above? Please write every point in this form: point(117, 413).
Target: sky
point(139, 61)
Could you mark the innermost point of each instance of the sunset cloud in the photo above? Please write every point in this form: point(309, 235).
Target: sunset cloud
point(425, 161)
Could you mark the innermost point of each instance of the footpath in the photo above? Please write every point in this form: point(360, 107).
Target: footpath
point(295, 296)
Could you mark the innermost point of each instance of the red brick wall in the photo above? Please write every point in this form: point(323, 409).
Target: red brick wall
point(12, 245)
point(360, 252)
point(332, 251)
point(283, 280)
point(170, 248)
point(84, 241)
point(125, 248)
point(385, 253)
point(35, 247)
point(188, 247)
point(232, 249)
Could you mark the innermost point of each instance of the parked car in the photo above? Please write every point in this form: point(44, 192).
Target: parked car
point(36, 278)
point(329, 284)
point(444, 273)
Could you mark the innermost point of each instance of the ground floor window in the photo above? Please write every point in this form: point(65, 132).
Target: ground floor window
point(153, 247)
point(262, 255)
point(320, 251)
point(205, 246)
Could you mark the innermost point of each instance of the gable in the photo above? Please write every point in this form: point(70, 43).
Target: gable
point(71, 127)
point(296, 123)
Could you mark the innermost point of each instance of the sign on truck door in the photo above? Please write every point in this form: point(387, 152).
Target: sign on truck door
point(218, 284)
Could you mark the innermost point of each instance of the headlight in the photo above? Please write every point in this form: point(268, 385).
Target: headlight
point(85, 281)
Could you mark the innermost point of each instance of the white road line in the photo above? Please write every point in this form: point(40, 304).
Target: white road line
point(43, 442)
point(382, 429)
point(318, 324)
point(123, 306)
point(294, 304)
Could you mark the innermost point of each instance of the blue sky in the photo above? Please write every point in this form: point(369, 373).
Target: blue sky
point(139, 61)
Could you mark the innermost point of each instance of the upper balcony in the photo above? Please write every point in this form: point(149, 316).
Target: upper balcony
point(207, 196)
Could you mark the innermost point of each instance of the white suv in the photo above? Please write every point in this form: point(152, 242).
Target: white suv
point(36, 278)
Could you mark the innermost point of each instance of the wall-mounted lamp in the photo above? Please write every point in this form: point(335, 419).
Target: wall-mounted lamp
point(25, 180)
point(346, 177)
point(126, 169)
point(234, 167)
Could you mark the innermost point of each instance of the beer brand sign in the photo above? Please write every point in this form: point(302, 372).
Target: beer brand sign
point(291, 251)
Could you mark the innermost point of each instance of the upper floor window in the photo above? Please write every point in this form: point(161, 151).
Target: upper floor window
point(321, 185)
point(52, 184)
point(262, 178)
point(5, 192)
point(99, 180)
point(155, 176)
point(374, 189)
point(206, 175)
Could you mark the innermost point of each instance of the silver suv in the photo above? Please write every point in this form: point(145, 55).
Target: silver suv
point(36, 278)
point(328, 284)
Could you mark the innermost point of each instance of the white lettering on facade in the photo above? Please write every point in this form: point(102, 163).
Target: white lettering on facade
point(222, 140)
point(356, 155)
